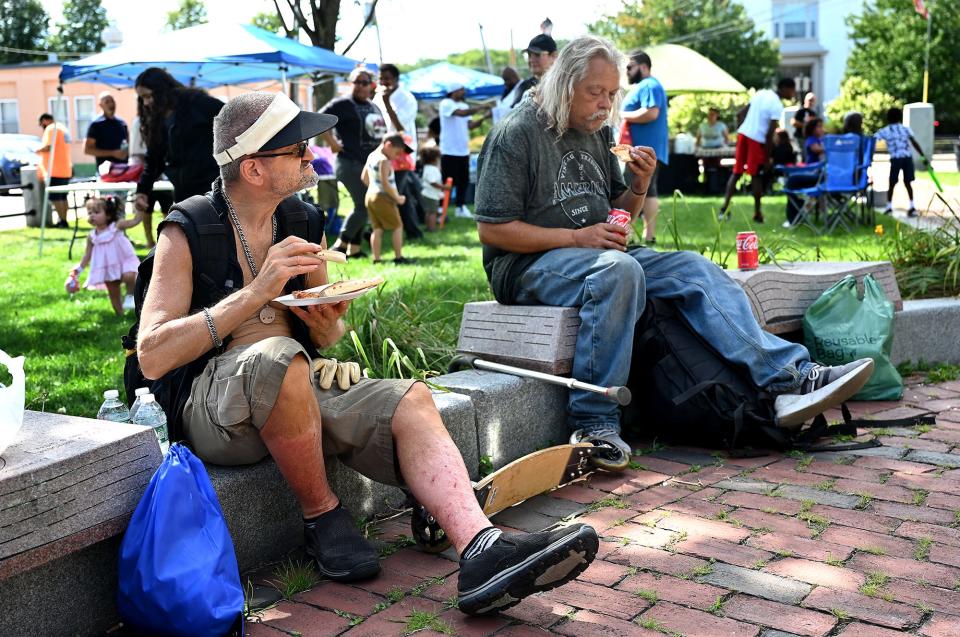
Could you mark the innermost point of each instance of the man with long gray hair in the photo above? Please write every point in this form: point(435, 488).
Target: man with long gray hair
point(546, 184)
point(246, 362)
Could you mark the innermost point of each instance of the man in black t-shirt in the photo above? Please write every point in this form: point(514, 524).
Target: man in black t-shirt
point(360, 127)
point(107, 136)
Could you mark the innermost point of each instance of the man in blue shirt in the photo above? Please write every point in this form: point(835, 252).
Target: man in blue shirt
point(107, 135)
point(645, 110)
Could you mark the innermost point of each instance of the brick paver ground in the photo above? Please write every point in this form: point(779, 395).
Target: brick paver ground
point(854, 544)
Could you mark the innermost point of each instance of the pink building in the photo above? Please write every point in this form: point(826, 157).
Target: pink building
point(28, 90)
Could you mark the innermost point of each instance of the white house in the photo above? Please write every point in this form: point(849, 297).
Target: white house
point(814, 39)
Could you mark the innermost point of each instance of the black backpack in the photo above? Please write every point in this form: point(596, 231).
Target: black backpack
point(685, 392)
point(215, 269)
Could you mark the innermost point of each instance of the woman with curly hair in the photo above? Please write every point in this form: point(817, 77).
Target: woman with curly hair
point(176, 122)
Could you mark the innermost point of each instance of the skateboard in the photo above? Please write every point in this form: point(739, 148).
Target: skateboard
point(525, 477)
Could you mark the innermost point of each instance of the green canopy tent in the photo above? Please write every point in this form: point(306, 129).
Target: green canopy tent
point(683, 70)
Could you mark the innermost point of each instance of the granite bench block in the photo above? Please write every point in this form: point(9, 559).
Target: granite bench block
point(515, 416)
point(65, 476)
point(926, 331)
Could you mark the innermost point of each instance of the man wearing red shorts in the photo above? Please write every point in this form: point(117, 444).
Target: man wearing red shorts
point(755, 141)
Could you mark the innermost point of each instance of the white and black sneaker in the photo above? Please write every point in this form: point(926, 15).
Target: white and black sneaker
point(517, 565)
point(613, 454)
point(823, 388)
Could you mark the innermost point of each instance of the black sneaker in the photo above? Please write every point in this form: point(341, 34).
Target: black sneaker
point(341, 553)
point(519, 564)
point(823, 388)
point(912, 212)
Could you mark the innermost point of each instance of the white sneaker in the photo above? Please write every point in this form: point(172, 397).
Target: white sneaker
point(786, 224)
point(464, 212)
point(128, 303)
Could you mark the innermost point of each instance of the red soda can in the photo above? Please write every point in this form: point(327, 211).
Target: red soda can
point(748, 253)
point(619, 217)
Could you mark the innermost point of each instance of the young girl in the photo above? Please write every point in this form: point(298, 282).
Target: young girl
point(813, 142)
point(383, 197)
point(433, 187)
point(109, 253)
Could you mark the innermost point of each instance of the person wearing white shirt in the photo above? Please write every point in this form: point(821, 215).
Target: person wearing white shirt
point(755, 141)
point(455, 127)
point(399, 107)
point(511, 88)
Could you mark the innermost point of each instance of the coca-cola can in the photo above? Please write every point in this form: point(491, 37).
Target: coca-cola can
point(619, 217)
point(748, 252)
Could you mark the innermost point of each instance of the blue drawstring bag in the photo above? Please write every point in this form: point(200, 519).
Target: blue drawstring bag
point(178, 570)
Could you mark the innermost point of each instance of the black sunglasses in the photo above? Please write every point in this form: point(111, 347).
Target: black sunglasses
point(299, 151)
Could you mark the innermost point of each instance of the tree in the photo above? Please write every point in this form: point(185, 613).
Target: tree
point(190, 13)
point(23, 25)
point(719, 30)
point(82, 25)
point(267, 21)
point(888, 40)
point(859, 95)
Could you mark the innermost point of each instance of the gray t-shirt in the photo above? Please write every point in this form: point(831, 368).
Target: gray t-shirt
point(524, 173)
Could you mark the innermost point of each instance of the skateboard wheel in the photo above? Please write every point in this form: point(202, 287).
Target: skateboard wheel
point(426, 531)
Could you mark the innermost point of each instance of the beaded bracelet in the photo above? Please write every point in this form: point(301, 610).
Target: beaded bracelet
point(213, 329)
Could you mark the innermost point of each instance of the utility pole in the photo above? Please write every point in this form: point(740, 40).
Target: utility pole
point(926, 56)
point(486, 52)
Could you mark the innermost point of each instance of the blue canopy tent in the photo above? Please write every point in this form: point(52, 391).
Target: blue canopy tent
point(431, 82)
point(208, 55)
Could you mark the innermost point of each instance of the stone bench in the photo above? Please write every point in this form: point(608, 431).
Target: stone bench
point(543, 338)
point(59, 578)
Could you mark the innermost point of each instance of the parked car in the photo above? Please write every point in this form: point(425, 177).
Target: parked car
point(15, 151)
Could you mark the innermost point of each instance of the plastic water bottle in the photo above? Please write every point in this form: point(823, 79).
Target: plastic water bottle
point(137, 402)
point(151, 414)
point(112, 409)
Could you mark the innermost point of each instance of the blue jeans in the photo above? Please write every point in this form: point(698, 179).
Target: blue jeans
point(611, 289)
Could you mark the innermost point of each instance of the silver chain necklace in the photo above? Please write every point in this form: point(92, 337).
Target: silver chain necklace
point(267, 313)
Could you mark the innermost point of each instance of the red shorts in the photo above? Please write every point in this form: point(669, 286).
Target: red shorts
point(750, 155)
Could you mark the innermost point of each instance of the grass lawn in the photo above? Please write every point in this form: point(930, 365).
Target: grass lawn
point(73, 345)
point(947, 179)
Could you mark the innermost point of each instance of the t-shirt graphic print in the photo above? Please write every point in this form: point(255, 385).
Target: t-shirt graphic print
point(580, 186)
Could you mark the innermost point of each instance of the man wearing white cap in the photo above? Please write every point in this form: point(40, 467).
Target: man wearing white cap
point(245, 363)
point(455, 127)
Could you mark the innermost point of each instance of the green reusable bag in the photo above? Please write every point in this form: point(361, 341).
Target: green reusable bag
point(840, 327)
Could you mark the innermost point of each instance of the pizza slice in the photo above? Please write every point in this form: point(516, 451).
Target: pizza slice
point(622, 151)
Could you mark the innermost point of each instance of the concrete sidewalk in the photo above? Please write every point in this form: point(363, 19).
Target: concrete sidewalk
point(856, 544)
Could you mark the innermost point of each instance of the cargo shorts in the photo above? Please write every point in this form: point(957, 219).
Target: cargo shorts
point(232, 399)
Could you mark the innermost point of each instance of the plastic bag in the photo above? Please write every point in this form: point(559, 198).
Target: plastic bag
point(11, 400)
point(178, 571)
point(116, 172)
point(840, 327)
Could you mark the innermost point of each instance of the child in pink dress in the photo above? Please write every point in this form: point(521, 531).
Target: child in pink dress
point(109, 252)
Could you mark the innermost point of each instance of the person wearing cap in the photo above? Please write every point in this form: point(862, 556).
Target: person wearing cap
point(546, 183)
point(455, 125)
point(360, 127)
point(256, 395)
point(645, 110)
point(383, 197)
point(400, 109)
point(541, 54)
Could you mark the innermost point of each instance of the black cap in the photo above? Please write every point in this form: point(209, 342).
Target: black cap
point(542, 43)
point(305, 125)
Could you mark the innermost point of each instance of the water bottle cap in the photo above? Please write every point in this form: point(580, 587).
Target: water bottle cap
point(141, 391)
point(111, 393)
point(147, 398)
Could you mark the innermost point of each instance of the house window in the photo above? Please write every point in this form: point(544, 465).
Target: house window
point(83, 107)
point(795, 20)
point(59, 107)
point(9, 117)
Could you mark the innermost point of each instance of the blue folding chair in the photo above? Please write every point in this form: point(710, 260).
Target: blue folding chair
point(803, 190)
point(844, 179)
